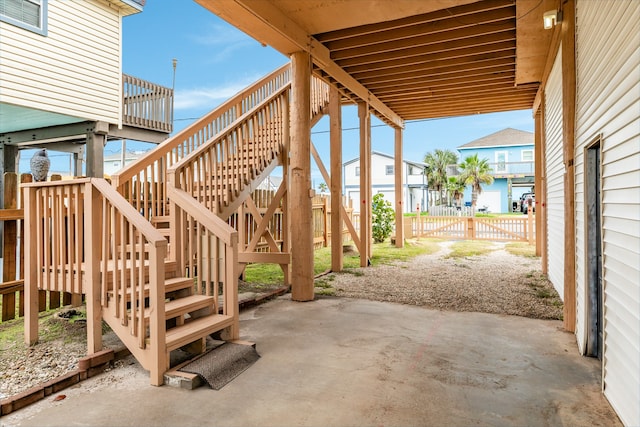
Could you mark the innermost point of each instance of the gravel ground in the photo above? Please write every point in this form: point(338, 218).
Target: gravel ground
point(498, 283)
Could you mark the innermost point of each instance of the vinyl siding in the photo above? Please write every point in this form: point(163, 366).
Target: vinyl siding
point(555, 176)
point(608, 104)
point(75, 70)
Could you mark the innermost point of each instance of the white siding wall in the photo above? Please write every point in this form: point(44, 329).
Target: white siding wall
point(555, 176)
point(74, 70)
point(608, 103)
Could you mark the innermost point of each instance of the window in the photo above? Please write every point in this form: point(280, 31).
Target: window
point(527, 155)
point(389, 169)
point(357, 170)
point(501, 161)
point(28, 14)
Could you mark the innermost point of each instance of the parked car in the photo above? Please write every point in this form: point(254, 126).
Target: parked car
point(524, 202)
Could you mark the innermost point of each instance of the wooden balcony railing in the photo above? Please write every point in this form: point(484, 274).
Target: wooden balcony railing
point(146, 105)
point(502, 169)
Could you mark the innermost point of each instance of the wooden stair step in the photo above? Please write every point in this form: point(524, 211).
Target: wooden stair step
point(181, 306)
point(160, 219)
point(170, 285)
point(195, 329)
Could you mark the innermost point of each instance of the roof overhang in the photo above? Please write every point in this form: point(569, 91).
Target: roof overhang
point(410, 59)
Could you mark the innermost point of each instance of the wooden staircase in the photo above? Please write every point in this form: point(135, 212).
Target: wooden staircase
point(157, 259)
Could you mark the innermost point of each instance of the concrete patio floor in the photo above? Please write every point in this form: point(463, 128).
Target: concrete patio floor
point(345, 362)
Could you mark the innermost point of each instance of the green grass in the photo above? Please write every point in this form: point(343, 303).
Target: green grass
point(468, 248)
point(521, 249)
point(382, 253)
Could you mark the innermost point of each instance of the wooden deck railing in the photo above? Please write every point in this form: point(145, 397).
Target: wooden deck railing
point(143, 182)
point(84, 238)
point(146, 105)
point(508, 228)
point(216, 173)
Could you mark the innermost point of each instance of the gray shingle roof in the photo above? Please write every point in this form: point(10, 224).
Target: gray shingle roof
point(508, 136)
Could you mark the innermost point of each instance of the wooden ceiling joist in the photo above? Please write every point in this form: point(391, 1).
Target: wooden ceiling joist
point(417, 60)
point(398, 25)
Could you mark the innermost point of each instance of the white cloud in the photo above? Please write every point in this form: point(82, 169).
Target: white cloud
point(209, 97)
point(225, 40)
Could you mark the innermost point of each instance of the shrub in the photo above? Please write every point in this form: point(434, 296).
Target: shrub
point(382, 218)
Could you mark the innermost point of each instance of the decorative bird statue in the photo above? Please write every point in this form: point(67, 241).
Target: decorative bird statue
point(40, 165)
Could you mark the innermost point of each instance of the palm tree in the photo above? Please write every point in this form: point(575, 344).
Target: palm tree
point(437, 163)
point(455, 187)
point(474, 172)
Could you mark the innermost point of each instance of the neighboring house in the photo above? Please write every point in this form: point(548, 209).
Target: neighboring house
point(509, 153)
point(62, 87)
point(114, 162)
point(414, 181)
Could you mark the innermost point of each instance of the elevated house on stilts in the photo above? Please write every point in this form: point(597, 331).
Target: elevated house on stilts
point(574, 63)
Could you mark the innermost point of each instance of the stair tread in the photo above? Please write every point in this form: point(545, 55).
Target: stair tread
point(185, 305)
point(170, 285)
point(198, 328)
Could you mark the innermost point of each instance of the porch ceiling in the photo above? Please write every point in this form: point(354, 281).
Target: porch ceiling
point(411, 59)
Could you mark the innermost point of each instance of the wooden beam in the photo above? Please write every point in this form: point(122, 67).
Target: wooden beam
point(492, 51)
point(95, 154)
point(399, 188)
point(502, 23)
point(335, 138)
point(280, 258)
point(365, 184)
point(332, 38)
point(300, 176)
point(347, 221)
point(538, 136)
point(269, 25)
point(568, 128)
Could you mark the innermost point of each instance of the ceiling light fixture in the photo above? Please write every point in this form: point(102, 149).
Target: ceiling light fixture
point(551, 18)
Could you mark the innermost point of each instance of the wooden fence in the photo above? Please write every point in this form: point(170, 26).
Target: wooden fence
point(12, 284)
point(507, 228)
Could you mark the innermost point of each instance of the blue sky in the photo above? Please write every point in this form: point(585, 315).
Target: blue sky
point(215, 61)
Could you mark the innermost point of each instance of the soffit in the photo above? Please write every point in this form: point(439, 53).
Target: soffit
point(418, 59)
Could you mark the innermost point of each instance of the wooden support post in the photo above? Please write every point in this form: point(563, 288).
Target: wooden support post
point(300, 176)
point(286, 218)
point(365, 184)
point(539, 172)
point(397, 168)
point(568, 127)
point(93, 227)
point(95, 154)
point(530, 222)
point(335, 129)
point(31, 269)
point(10, 244)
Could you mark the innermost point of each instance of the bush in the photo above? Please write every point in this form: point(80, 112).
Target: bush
point(382, 218)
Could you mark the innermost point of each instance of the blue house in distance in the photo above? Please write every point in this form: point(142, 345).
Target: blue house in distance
point(510, 153)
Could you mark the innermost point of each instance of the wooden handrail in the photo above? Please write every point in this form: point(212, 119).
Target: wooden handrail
point(150, 233)
point(234, 106)
point(201, 214)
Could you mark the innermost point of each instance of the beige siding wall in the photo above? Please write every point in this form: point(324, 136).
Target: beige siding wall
point(608, 104)
point(74, 70)
point(555, 176)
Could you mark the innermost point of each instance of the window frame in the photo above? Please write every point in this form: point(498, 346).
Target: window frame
point(522, 155)
point(357, 170)
point(501, 166)
point(388, 168)
point(41, 29)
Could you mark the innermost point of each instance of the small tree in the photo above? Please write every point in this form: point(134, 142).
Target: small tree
point(455, 188)
point(382, 218)
point(475, 172)
point(322, 187)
